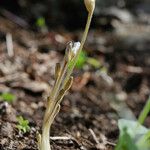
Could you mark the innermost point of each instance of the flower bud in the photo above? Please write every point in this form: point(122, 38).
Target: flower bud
point(71, 50)
point(75, 48)
point(90, 5)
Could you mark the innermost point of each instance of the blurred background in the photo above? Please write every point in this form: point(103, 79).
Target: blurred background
point(111, 78)
point(71, 14)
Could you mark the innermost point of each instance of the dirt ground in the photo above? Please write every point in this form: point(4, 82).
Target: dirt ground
point(96, 100)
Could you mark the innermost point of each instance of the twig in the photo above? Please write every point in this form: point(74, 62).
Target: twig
point(66, 138)
point(104, 141)
point(9, 45)
point(110, 143)
point(135, 69)
point(16, 19)
point(99, 145)
point(94, 136)
point(60, 138)
point(13, 77)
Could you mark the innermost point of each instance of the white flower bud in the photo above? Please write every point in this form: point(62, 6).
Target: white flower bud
point(90, 5)
point(71, 50)
point(75, 47)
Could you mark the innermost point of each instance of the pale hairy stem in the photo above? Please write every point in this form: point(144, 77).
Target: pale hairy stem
point(45, 144)
point(90, 14)
point(52, 102)
point(51, 111)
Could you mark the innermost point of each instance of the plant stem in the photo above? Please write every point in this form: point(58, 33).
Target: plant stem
point(48, 120)
point(52, 103)
point(69, 72)
point(45, 145)
point(144, 112)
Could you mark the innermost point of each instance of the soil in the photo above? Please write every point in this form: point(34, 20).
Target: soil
point(94, 103)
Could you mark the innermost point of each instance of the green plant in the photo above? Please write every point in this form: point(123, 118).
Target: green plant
point(81, 60)
point(40, 22)
point(23, 124)
point(93, 62)
point(8, 97)
point(84, 59)
point(63, 81)
point(134, 136)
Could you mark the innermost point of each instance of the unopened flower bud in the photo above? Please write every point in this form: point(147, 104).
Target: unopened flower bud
point(90, 5)
point(71, 50)
point(75, 47)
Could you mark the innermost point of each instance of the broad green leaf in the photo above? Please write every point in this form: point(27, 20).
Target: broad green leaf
point(139, 134)
point(125, 142)
point(144, 142)
point(133, 127)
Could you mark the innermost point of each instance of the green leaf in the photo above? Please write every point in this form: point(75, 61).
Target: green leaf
point(145, 112)
point(81, 59)
point(133, 127)
point(8, 97)
point(93, 62)
point(139, 135)
point(40, 22)
point(125, 142)
point(144, 142)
